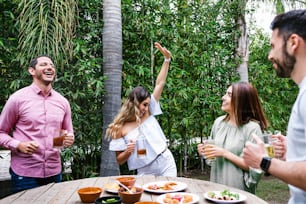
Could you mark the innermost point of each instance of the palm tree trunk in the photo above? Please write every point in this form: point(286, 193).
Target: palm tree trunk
point(112, 69)
point(243, 45)
point(243, 50)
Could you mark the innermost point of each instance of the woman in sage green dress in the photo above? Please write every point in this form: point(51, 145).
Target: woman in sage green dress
point(244, 117)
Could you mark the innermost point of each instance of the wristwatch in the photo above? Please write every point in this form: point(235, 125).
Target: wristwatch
point(265, 164)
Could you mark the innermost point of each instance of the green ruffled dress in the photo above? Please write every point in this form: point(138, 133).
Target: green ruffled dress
point(233, 139)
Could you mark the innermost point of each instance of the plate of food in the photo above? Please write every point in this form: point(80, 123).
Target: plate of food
point(225, 196)
point(164, 186)
point(112, 187)
point(178, 198)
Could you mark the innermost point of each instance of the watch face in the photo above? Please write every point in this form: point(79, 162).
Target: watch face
point(265, 163)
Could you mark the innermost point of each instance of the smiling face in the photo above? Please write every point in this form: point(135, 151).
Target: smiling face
point(144, 107)
point(282, 61)
point(44, 71)
point(227, 101)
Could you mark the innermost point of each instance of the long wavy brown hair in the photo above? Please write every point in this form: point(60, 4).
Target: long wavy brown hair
point(246, 105)
point(129, 112)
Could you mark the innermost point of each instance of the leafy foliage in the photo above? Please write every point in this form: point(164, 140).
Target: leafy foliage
point(82, 83)
point(10, 78)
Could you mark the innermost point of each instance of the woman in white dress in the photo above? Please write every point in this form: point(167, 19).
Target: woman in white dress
point(136, 120)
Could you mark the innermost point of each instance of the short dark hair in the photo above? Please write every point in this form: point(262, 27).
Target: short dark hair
point(290, 22)
point(33, 62)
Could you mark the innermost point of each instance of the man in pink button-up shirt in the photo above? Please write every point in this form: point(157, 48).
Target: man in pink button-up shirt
point(28, 123)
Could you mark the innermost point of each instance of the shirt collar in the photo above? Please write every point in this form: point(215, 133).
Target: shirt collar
point(38, 91)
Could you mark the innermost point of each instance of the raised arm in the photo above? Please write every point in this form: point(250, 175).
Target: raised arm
point(162, 76)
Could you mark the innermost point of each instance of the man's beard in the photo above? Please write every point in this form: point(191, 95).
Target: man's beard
point(285, 68)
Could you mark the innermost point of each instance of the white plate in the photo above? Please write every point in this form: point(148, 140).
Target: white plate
point(195, 198)
point(241, 198)
point(180, 186)
point(114, 187)
point(111, 187)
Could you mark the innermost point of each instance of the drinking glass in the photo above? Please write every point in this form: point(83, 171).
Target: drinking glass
point(58, 138)
point(270, 143)
point(208, 145)
point(141, 146)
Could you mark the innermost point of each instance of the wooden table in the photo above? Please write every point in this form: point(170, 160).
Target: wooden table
point(66, 192)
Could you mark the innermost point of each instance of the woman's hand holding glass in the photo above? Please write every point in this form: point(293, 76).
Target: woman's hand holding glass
point(208, 150)
point(130, 147)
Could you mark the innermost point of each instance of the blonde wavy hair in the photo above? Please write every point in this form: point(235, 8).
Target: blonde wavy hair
point(129, 112)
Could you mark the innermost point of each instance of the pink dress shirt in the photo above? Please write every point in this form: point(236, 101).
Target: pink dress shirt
point(29, 115)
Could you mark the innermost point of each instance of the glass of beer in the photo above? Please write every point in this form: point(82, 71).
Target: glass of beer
point(269, 143)
point(209, 144)
point(141, 146)
point(58, 138)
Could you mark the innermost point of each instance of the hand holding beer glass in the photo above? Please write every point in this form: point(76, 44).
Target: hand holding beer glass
point(62, 138)
point(205, 150)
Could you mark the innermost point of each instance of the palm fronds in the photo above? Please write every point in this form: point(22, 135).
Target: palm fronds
point(46, 27)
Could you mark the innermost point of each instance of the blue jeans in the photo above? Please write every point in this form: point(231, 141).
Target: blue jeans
point(20, 183)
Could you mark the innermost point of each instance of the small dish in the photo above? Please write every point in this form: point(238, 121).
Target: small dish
point(126, 197)
point(108, 200)
point(89, 194)
point(128, 181)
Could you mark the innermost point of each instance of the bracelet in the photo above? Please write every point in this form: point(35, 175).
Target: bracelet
point(167, 60)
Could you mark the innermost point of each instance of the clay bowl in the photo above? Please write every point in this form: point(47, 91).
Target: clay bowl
point(128, 181)
point(127, 197)
point(89, 194)
point(108, 200)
